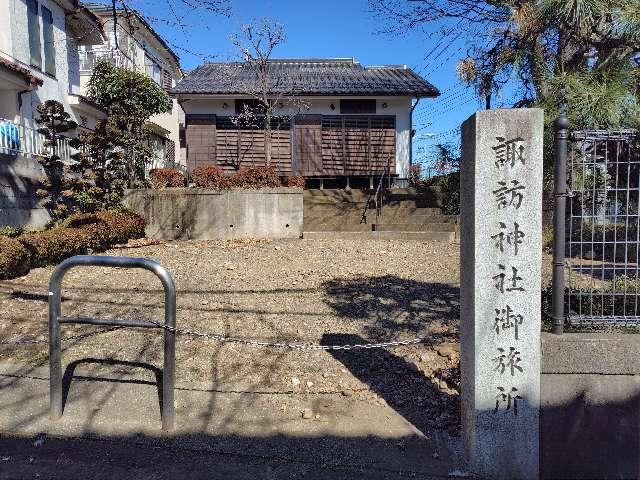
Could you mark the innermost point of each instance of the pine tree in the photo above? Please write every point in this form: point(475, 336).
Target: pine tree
point(54, 188)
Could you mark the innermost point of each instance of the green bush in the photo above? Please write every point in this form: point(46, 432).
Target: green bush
point(80, 233)
point(122, 225)
point(9, 231)
point(53, 246)
point(79, 220)
point(14, 258)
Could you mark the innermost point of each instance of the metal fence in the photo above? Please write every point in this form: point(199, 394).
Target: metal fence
point(601, 229)
point(18, 139)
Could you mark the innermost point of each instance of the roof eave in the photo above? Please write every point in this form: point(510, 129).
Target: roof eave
point(177, 94)
point(86, 26)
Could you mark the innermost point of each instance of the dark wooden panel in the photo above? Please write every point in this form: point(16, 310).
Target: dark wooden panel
point(200, 135)
point(358, 144)
point(239, 146)
point(308, 148)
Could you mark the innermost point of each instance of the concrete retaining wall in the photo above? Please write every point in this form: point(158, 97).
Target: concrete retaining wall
point(18, 202)
point(189, 213)
point(590, 406)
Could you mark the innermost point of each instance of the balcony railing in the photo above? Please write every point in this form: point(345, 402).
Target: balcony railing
point(17, 139)
point(88, 58)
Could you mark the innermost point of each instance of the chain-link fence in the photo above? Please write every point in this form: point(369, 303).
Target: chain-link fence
point(602, 229)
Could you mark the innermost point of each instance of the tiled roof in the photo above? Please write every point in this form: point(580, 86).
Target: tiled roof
point(24, 72)
point(307, 77)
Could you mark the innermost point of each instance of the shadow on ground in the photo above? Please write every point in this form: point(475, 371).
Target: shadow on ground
point(387, 307)
point(400, 383)
point(393, 304)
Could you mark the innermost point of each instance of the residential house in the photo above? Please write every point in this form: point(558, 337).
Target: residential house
point(38, 62)
point(135, 45)
point(336, 119)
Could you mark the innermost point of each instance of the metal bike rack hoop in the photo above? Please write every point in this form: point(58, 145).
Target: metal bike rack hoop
point(55, 319)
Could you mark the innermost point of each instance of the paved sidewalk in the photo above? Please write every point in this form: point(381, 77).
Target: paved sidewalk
point(111, 429)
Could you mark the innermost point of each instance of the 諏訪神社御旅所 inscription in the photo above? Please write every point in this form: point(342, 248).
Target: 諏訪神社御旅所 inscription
point(501, 198)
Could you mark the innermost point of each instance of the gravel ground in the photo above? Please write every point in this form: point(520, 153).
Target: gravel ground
point(298, 291)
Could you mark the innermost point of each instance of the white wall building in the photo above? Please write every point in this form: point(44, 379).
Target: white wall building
point(344, 120)
point(135, 45)
point(38, 51)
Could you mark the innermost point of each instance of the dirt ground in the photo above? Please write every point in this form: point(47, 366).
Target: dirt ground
point(330, 292)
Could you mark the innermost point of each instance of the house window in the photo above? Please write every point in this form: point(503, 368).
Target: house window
point(182, 136)
point(33, 22)
point(49, 42)
point(358, 105)
point(166, 80)
point(153, 70)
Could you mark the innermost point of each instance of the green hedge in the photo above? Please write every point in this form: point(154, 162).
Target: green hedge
point(14, 258)
point(76, 235)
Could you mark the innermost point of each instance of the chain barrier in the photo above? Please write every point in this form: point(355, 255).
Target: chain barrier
point(243, 341)
point(291, 346)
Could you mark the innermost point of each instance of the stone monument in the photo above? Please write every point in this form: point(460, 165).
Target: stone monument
point(500, 268)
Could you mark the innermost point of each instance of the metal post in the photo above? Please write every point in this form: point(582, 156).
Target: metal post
point(55, 366)
point(561, 127)
point(169, 366)
point(55, 319)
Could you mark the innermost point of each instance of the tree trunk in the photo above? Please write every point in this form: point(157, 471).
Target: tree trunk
point(267, 139)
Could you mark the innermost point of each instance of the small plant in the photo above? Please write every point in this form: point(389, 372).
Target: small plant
point(547, 238)
point(256, 177)
point(295, 181)
point(9, 231)
point(210, 176)
point(166, 177)
point(14, 258)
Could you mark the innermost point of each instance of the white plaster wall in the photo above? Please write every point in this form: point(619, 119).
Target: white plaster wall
point(73, 62)
point(141, 48)
point(53, 88)
point(6, 42)
point(400, 107)
point(9, 105)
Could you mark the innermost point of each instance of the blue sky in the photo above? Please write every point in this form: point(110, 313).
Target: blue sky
point(330, 28)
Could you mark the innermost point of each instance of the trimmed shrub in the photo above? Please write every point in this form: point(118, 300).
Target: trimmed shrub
point(122, 225)
point(81, 232)
point(210, 176)
point(14, 258)
point(79, 220)
point(256, 177)
point(295, 181)
point(166, 177)
point(53, 246)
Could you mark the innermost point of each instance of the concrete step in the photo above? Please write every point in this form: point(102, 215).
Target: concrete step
point(447, 237)
point(338, 227)
point(389, 227)
point(335, 196)
point(412, 227)
point(394, 207)
point(388, 217)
